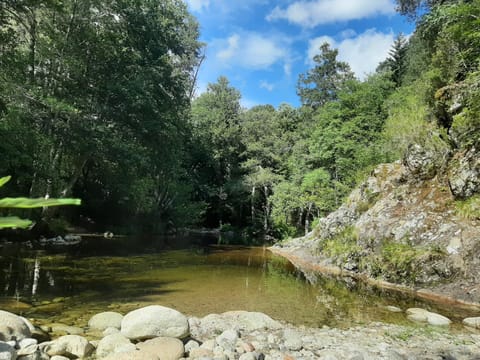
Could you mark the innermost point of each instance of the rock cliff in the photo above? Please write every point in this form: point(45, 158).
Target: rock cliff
point(409, 223)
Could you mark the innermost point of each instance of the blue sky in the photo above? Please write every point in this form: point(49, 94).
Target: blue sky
point(262, 46)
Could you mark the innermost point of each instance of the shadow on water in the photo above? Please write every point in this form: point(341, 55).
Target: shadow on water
point(70, 285)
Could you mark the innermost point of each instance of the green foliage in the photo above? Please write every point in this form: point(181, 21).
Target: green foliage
point(469, 208)
point(342, 246)
point(93, 102)
point(396, 62)
point(25, 203)
point(407, 121)
point(322, 83)
point(399, 261)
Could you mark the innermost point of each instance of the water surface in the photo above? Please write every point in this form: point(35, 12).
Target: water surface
point(71, 285)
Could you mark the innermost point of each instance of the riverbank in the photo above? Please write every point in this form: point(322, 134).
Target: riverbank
point(156, 332)
point(308, 263)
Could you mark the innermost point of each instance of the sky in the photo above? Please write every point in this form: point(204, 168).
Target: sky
point(262, 46)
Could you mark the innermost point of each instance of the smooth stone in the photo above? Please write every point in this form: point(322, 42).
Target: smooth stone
point(393, 309)
point(104, 320)
point(110, 331)
point(209, 345)
point(29, 324)
point(228, 339)
point(27, 342)
point(191, 344)
point(438, 320)
point(13, 327)
point(473, 322)
point(422, 315)
point(154, 321)
point(66, 345)
point(168, 348)
point(200, 352)
point(59, 357)
point(114, 343)
point(293, 340)
point(132, 355)
point(7, 352)
point(27, 350)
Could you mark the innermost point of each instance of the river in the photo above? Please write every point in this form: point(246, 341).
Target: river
point(70, 284)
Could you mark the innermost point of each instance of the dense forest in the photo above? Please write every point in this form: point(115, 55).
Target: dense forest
point(97, 101)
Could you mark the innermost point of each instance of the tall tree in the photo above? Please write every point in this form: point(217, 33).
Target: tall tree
point(215, 122)
point(322, 83)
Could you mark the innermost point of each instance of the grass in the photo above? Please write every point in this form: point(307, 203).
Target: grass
point(469, 209)
point(342, 246)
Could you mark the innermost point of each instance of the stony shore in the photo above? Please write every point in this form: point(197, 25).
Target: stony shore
point(159, 333)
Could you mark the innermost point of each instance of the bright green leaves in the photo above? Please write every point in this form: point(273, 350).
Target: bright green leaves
point(4, 180)
point(25, 203)
point(14, 222)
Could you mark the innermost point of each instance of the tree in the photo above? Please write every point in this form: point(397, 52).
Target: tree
point(322, 83)
point(215, 122)
point(100, 90)
point(411, 7)
point(396, 62)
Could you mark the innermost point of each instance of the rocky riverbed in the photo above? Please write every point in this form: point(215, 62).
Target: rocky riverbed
point(160, 333)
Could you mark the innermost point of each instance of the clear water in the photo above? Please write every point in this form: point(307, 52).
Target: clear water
point(70, 286)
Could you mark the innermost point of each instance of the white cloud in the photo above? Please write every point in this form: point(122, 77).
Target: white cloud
point(198, 5)
point(266, 85)
point(250, 50)
point(232, 48)
point(287, 68)
point(363, 52)
point(312, 13)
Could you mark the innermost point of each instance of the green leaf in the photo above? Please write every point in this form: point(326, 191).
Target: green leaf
point(14, 222)
point(4, 180)
point(27, 203)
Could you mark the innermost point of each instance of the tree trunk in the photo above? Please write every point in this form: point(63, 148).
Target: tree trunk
point(252, 205)
point(307, 218)
point(266, 212)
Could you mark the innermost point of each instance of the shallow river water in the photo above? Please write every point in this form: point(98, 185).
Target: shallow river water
point(70, 285)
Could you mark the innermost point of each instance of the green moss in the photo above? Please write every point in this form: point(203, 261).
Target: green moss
point(469, 208)
point(342, 246)
point(399, 262)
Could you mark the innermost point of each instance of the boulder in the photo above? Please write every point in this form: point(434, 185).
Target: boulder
point(105, 320)
point(165, 347)
point(114, 343)
point(154, 321)
point(251, 321)
point(7, 352)
point(464, 174)
point(420, 162)
point(238, 320)
point(422, 315)
point(69, 346)
point(12, 327)
point(473, 322)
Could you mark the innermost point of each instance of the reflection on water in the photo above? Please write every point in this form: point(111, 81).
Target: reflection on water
point(70, 287)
